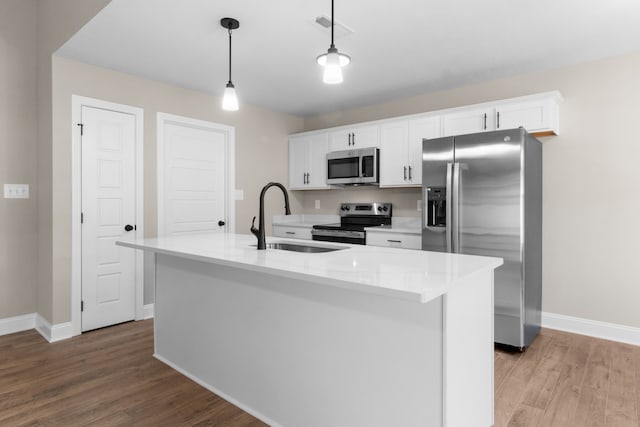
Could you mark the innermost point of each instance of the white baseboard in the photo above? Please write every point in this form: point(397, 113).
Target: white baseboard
point(592, 328)
point(53, 333)
point(147, 311)
point(15, 324)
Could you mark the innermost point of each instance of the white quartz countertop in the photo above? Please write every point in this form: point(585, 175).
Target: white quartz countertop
point(413, 275)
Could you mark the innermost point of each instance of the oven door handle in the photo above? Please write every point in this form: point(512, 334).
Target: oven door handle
point(337, 233)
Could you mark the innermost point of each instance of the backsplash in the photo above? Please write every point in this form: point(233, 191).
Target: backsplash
point(404, 200)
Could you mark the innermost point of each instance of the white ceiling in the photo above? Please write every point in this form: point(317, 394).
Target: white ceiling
point(398, 48)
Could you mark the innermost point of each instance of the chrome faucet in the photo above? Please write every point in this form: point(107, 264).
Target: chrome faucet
point(259, 232)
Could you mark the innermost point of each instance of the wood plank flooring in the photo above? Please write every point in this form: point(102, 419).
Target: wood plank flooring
point(109, 378)
point(106, 377)
point(568, 380)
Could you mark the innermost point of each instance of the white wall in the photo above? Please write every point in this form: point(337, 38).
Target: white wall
point(591, 195)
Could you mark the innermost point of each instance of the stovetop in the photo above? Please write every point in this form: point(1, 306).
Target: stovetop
point(357, 216)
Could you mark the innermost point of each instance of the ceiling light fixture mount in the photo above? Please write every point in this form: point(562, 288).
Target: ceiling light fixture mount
point(230, 99)
point(333, 61)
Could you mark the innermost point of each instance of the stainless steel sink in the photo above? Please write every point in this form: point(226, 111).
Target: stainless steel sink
point(302, 248)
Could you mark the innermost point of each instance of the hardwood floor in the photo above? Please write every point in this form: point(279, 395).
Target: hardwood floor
point(109, 378)
point(106, 377)
point(568, 380)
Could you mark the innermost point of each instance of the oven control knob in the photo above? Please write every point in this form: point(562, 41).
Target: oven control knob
point(385, 208)
point(379, 208)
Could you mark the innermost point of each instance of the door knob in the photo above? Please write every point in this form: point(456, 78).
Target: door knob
point(221, 223)
point(128, 227)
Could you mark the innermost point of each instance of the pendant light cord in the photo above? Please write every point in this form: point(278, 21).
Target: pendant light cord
point(332, 45)
point(230, 55)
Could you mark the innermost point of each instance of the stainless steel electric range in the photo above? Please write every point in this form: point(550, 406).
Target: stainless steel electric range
point(354, 217)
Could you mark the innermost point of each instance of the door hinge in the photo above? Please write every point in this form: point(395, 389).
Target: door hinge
point(81, 128)
point(81, 305)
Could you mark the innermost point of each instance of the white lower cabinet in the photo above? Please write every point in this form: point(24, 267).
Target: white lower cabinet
point(292, 232)
point(394, 240)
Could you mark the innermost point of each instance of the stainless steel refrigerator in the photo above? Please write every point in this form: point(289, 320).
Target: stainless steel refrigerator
point(482, 195)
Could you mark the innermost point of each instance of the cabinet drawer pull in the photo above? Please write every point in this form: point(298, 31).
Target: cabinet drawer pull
point(290, 232)
point(394, 241)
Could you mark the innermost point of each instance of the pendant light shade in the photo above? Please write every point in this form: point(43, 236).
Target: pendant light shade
point(230, 99)
point(333, 61)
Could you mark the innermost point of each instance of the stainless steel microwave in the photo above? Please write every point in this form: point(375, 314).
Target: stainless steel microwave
point(353, 167)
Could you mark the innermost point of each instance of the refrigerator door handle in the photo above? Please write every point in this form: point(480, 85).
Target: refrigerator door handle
point(449, 206)
point(455, 210)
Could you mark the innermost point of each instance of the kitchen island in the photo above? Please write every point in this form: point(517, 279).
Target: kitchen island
point(361, 336)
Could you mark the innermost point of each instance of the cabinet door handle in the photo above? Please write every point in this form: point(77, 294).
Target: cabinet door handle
point(485, 121)
point(498, 120)
point(394, 241)
point(308, 177)
point(405, 173)
point(409, 173)
point(353, 138)
point(349, 137)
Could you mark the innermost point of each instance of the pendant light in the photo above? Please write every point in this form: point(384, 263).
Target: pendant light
point(333, 61)
point(230, 100)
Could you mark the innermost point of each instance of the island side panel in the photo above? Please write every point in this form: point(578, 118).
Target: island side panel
point(297, 353)
point(469, 355)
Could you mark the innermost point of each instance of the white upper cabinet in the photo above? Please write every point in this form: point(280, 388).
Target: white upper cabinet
point(400, 139)
point(468, 121)
point(308, 161)
point(538, 114)
point(401, 150)
point(394, 153)
point(539, 117)
point(353, 137)
point(421, 128)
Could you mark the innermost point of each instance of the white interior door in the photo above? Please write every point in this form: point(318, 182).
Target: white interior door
point(108, 211)
point(192, 178)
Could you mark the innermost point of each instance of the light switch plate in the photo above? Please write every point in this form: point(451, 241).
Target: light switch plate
point(16, 191)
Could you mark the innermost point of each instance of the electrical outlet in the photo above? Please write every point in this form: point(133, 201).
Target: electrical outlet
point(317, 204)
point(16, 191)
point(419, 206)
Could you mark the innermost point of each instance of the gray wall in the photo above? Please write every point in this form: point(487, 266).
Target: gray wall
point(18, 162)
